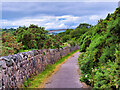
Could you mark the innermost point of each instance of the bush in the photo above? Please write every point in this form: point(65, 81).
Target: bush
point(100, 58)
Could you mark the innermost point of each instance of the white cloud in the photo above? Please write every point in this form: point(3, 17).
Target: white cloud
point(95, 17)
point(53, 22)
point(49, 22)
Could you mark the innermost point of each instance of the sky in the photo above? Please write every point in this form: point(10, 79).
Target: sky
point(54, 15)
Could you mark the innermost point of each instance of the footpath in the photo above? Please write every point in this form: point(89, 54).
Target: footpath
point(67, 76)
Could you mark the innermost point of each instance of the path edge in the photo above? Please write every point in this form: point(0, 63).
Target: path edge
point(46, 80)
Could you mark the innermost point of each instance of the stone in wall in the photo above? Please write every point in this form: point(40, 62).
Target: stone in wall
point(15, 69)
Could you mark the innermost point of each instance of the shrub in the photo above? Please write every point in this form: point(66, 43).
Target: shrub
point(100, 58)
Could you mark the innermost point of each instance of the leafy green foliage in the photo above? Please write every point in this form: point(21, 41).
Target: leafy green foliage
point(85, 25)
point(100, 58)
point(32, 37)
point(53, 42)
point(65, 36)
point(28, 38)
point(72, 35)
point(10, 44)
point(81, 29)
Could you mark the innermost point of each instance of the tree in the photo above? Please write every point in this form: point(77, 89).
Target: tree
point(32, 36)
point(84, 25)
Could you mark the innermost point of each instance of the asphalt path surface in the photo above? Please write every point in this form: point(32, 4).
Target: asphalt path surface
point(67, 76)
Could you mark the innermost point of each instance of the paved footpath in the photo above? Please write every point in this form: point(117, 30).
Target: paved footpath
point(67, 76)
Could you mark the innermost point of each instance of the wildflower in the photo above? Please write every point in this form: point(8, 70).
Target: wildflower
point(85, 75)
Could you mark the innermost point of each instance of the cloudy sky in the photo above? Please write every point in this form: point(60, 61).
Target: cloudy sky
point(54, 15)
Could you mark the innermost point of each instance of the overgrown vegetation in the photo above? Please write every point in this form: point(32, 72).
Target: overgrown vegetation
point(10, 45)
point(27, 38)
point(71, 35)
point(100, 58)
point(34, 37)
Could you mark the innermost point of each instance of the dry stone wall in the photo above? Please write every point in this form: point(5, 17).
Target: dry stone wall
point(15, 69)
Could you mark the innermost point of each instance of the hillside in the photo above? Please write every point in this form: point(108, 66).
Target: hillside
point(100, 58)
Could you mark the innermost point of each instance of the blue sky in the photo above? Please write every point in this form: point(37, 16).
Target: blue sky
point(54, 15)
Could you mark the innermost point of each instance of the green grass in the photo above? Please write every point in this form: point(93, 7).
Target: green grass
point(64, 45)
point(37, 80)
point(26, 50)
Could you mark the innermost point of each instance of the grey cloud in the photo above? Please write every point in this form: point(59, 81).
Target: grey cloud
point(16, 10)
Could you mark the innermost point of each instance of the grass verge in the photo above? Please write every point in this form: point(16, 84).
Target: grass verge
point(39, 80)
point(26, 50)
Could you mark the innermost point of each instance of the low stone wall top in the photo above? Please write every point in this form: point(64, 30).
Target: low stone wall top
point(15, 69)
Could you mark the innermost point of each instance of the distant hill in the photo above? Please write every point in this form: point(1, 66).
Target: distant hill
point(8, 30)
point(58, 30)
